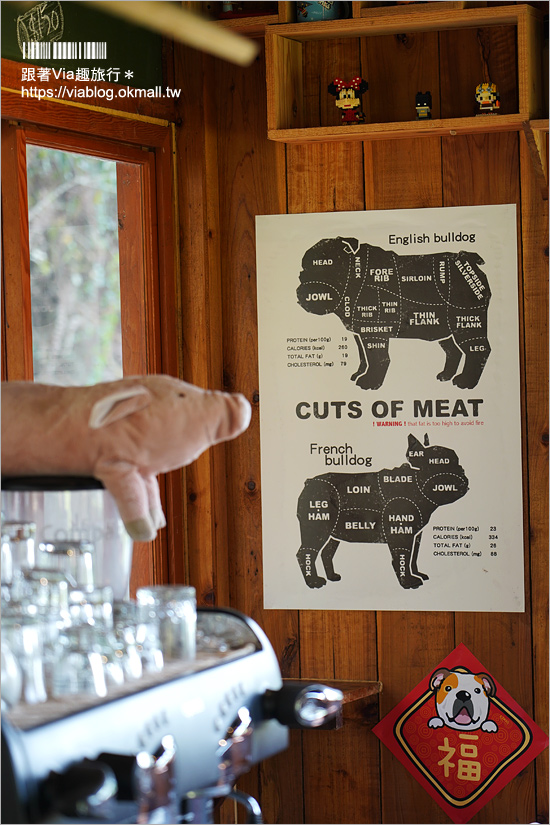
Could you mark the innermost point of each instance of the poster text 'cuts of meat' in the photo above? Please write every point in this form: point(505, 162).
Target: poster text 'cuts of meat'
point(390, 410)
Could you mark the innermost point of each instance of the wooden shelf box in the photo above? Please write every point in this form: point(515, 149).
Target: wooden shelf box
point(444, 51)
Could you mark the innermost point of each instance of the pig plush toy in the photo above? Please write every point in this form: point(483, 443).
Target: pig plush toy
point(122, 432)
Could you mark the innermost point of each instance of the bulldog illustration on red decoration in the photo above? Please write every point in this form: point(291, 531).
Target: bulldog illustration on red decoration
point(462, 700)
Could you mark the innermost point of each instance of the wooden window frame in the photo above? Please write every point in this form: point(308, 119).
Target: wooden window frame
point(121, 137)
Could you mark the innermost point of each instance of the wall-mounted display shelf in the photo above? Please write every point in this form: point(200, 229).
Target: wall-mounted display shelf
point(248, 18)
point(252, 18)
point(447, 51)
point(365, 9)
point(360, 704)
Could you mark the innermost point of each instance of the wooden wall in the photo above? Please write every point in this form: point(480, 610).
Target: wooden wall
point(228, 173)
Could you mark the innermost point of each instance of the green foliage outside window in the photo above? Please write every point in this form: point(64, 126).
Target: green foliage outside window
point(75, 285)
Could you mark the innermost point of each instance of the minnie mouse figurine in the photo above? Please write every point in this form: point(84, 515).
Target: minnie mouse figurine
point(348, 98)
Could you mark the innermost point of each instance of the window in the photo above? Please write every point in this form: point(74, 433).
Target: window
point(122, 167)
point(74, 267)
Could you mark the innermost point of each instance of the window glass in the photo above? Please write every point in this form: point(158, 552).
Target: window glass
point(74, 267)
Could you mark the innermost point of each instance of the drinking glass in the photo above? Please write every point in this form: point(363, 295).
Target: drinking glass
point(12, 679)
point(19, 535)
point(48, 591)
point(75, 558)
point(71, 509)
point(174, 609)
point(92, 606)
point(79, 668)
point(125, 632)
point(6, 567)
point(22, 632)
point(148, 641)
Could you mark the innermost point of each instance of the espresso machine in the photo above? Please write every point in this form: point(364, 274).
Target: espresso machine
point(164, 746)
point(165, 750)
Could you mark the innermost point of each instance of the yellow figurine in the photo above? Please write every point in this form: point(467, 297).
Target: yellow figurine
point(488, 99)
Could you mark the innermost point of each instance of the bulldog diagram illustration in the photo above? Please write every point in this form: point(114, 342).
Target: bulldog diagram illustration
point(462, 700)
point(381, 507)
point(379, 295)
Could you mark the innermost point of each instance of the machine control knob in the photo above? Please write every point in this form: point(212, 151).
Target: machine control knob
point(303, 706)
point(84, 789)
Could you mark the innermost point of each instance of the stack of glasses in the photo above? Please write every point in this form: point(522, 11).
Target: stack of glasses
point(63, 635)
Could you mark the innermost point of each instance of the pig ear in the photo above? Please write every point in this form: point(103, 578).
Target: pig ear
point(351, 245)
point(118, 405)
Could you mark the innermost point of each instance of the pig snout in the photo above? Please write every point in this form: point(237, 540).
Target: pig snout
point(237, 418)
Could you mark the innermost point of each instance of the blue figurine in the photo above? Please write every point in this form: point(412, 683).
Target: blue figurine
point(308, 12)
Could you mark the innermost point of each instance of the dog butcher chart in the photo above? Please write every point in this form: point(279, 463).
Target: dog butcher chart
point(388, 506)
point(389, 410)
point(379, 295)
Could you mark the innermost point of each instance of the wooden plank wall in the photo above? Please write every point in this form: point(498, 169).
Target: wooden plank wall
point(229, 173)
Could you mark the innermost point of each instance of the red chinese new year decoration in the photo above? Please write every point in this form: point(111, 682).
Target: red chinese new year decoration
point(461, 735)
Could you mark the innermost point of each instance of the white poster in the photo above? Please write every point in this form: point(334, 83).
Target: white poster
point(390, 410)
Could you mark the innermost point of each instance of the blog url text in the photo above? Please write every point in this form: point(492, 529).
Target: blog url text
point(90, 92)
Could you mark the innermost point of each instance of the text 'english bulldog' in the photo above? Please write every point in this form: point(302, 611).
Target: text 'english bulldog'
point(379, 295)
point(382, 507)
